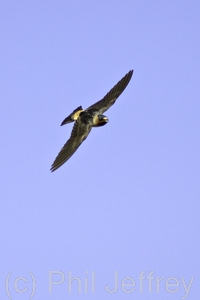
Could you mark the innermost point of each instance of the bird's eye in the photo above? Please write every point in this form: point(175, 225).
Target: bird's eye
point(100, 117)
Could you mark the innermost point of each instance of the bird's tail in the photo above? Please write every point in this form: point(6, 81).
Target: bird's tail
point(73, 116)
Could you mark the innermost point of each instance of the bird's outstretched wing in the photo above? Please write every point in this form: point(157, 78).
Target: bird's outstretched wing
point(79, 133)
point(110, 98)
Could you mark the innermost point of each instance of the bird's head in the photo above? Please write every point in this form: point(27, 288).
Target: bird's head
point(102, 120)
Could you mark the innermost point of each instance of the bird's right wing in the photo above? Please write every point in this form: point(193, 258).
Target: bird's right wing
point(79, 133)
point(110, 98)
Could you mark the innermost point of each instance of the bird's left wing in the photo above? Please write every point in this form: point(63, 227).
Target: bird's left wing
point(79, 133)
point(110, 98)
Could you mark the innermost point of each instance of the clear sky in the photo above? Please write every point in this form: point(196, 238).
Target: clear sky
point(125, 208)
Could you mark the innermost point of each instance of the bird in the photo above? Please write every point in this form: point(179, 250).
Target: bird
point(84, 120)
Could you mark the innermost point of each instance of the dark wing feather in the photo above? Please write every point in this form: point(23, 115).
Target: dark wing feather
point(112, 95)
point(79, 133)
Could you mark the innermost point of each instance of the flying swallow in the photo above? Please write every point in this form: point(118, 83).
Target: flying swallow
point(88, 118)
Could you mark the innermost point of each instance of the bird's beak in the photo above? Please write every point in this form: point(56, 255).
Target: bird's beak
point(105, 119)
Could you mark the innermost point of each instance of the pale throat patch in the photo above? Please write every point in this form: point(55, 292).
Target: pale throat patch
point(96, 120)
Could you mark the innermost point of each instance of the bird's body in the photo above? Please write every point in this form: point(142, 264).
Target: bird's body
point(86, 119)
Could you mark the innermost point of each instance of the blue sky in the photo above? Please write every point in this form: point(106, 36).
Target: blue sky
point(127, 201)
